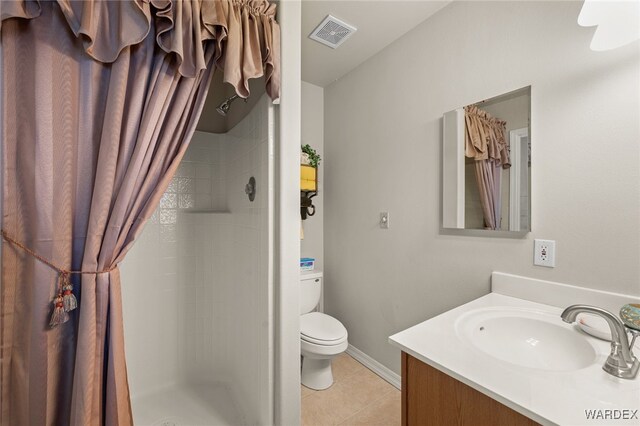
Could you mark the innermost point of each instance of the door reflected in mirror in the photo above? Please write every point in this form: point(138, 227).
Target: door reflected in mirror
point(487, 164)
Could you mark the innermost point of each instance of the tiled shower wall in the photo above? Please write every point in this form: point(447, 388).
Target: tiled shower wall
point(244, 322)
point(196, 285)
point(152, 284)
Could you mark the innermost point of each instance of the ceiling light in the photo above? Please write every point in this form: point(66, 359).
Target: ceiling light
point(617, 22)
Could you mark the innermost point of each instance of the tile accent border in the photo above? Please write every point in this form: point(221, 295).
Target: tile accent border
point(373, 365)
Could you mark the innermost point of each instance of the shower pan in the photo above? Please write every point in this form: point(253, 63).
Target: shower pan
point(198, 294)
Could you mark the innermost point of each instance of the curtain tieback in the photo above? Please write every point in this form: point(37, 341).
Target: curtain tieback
point(64, 301)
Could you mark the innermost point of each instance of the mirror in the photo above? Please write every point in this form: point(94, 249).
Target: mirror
point(486, 165)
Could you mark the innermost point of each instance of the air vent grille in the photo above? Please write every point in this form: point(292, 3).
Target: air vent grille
point(332, 32)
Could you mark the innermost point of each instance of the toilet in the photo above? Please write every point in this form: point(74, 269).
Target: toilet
point(322, 337)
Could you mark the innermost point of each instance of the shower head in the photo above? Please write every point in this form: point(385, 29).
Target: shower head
point(223, 108)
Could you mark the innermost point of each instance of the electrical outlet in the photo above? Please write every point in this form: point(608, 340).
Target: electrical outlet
point(544, 253)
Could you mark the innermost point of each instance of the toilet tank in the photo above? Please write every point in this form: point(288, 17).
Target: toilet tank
point(310, 291)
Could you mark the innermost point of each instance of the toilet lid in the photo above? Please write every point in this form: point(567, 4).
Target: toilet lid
point(318, 326)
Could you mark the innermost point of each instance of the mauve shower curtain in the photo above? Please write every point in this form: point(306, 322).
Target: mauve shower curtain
point(99, 100)
point(485, 143)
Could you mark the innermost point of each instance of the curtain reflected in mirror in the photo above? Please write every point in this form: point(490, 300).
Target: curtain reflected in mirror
point(487, 165)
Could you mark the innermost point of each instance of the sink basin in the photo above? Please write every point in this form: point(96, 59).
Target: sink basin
point(526, 338)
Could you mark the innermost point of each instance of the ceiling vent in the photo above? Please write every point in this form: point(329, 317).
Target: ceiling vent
point(332, 32)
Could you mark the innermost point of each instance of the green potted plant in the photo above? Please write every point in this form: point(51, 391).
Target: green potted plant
point(309, 156)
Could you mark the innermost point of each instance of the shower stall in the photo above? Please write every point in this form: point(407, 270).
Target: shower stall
point(198, 283)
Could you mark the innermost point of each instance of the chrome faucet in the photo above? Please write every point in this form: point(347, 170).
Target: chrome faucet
point(621, 361)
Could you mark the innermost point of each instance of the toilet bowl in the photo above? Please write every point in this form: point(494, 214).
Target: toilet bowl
point(322, 337)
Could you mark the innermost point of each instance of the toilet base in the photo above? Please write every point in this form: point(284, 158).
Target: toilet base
point(316, 373)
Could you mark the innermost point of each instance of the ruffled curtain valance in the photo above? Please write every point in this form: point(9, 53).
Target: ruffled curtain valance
point(485, 137)
point(245, 33)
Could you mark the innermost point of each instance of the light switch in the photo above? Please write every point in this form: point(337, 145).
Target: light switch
point(384, 220)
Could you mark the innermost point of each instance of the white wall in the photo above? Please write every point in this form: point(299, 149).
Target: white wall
point(313, 134)
point(382, 148)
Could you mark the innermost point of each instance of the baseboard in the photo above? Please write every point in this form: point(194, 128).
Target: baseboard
point(375, 366)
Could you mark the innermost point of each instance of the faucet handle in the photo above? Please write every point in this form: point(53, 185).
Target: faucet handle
point(634, 333)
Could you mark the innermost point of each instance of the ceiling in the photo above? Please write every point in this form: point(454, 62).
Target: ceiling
point(379, 23)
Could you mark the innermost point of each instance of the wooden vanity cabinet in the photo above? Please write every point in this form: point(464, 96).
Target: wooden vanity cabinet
point(431, 397)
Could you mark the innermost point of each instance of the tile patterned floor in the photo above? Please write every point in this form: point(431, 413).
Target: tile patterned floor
point(357, 397)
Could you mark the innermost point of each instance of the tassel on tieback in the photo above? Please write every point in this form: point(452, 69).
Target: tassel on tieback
point(68, 298)
point(59, 315)
point(64, 302)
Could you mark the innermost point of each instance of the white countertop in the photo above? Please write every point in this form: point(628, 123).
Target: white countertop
point(548, 397)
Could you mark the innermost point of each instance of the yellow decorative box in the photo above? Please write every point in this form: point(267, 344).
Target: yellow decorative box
point(308, 178)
